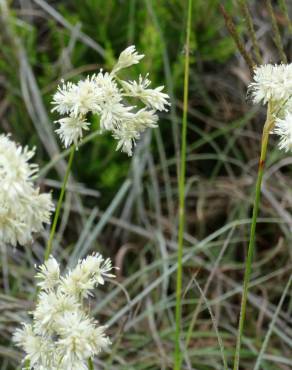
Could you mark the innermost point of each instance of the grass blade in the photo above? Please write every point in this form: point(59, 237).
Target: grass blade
point(182, 174)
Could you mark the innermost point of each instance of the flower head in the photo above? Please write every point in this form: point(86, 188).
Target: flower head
point(106, 95)
point(15, 168)
point(62, 335)
point(152, 98)
point(79, 338)
point(23, 209)
point(272, 83)
point(127, 58)
point(76, 99)
point(283, 128)
point(130, 129)
point(49, 274)
point(38, 349)
point(51, 308)
point(71, 129)
point(88, 274)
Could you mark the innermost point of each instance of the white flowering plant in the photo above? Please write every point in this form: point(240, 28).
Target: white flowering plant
point(271, 86)
point(107, 96)
point(62, 334)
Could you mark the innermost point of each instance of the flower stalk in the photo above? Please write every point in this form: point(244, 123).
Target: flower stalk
point(59, 205)
point(270, 122)
point(90, 364)
point(177, 354)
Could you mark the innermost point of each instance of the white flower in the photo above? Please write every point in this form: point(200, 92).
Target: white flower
point(126, 139)
point(97, 267)
point(283, 128)
point(79, 339)
point(131, 128)
point(38, 349)
point(109, 92)
point(40, 207)
point(110, 98)
point(86, 275)
point(50, 309)
point(76, 99)
point(86, 97)
point(63, 99)
point(127, 58)
point(62, 336)
point(152, 98)
point(113, 114)
point(23, 210)
point(13, 228)
point(70, 130)
point(49, 274)
point(272, 83)
point(15, 169)
point(144, 119)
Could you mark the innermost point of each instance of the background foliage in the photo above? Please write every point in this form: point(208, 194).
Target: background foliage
point(126, 207)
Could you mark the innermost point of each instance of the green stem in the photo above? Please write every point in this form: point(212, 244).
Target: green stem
point(90, 364)
point(177, 354)
point(248, 265)
point(59, 205)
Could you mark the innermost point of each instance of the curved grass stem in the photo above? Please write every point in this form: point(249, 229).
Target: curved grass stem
point(251, 247)
point(177, 354)
point(59, 205)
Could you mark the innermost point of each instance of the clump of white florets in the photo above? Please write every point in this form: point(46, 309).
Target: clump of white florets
point(23, 209)
point(106, 95)
point(272, 85)
point(62, 335)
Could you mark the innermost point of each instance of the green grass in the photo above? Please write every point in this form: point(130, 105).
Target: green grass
point(181, 189)
point(127, 209)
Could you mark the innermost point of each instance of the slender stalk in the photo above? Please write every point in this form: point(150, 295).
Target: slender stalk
point(27, 365)
point(90, 364)
point(248, 265)
point(59, 205)
point(177, 354)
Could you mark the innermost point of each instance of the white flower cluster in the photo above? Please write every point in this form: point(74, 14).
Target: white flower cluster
point(23, 210)
point(105, 94)
point(273, 84)
point(62, 335)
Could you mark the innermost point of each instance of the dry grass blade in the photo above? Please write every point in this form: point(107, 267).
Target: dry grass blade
point(233, 32)
point(276, 32)
point(215, 325)
point(79, 34)
point(285, 11)
point(271, 326)
point(246, 12)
